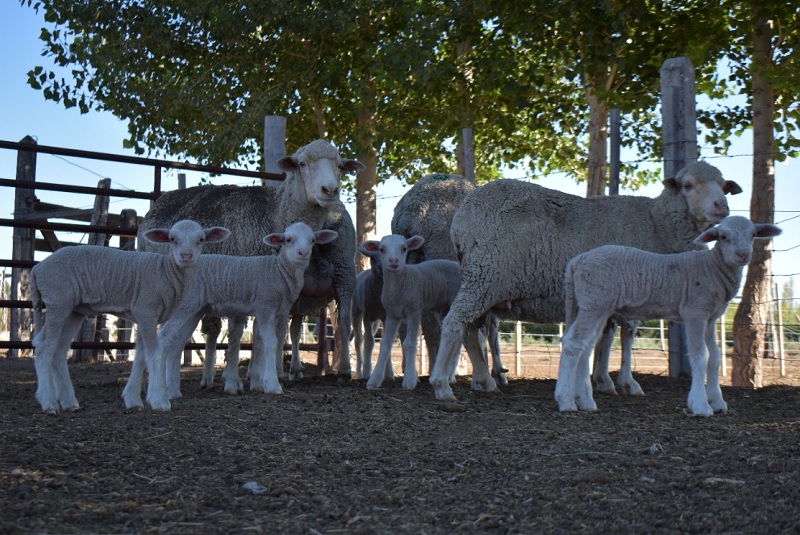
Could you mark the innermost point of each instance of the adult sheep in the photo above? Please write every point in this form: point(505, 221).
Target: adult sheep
point(514, 239)
point(427, 210)
point(309, 194)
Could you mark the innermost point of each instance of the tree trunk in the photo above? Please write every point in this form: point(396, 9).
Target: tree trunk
point(598, 142)
point(750, 322)
point(366, 203)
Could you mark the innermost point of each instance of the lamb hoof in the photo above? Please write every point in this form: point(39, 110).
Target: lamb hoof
point(720, 407)
point(295, 375)
point(133, 404)
point(631, 389)
point(501, 378)
point(702, 410)
point(604, 387)
point(345, 376)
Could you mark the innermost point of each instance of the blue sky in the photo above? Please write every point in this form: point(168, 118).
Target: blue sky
point(24, 111)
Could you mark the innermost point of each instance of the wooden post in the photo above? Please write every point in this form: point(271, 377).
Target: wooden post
point(679, 137)
point(274, 145)
point(723, 347)
point(781, 348)
point(469, 154)
point(91, 326)
point(23, 246)
point(128, 220)
point(518, 347)
point(614, 140)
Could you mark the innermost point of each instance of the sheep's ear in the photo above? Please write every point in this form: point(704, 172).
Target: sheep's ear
point(325, 236)
point(369, 248)
point(708, 236)
point(351, 166)
point(731, 187)
point(765, 230)
point(672, 184)
point(275, 239)
point(216, 234)
point(287, 163)
point(157, 235)
point(414, 242)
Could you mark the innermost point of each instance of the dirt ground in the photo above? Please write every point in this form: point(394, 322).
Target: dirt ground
point(331, 457)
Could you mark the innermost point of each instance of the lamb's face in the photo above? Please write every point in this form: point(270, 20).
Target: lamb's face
point(186, 239)
point(297, 242)
point(704, 190)
point(734, 236)
point(394, 250)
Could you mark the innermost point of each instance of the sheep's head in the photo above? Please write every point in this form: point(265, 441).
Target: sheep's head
point(318, 168)
point(186, 239)
point(704, 190)
point(297, 242)
point(734, 236)
point(391, 250)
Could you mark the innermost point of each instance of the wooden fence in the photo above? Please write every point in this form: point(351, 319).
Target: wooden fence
point(32, 215)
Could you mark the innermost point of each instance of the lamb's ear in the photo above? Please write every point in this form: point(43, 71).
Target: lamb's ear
point(369, 248)
point(157, 235)
point(216, 234)
point(325, 236)
point(672, 184)
point(731, 187)
point(708, 236)
point(275, 239)
point(765, 230)
point(414, 242)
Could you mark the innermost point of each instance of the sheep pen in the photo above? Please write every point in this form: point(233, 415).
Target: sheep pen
point(331, 457)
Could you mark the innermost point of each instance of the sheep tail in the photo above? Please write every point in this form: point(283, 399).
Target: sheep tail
point(38, 306)
point(570, 307)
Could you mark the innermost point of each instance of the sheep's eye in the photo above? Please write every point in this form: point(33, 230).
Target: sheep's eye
point(172, 240)
point(303, 164)
point(688, 187)
point(288, 240)
point(723, 237)
point(381, 249)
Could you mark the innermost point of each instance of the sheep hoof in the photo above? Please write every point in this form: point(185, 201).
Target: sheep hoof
point(631, 389)
point(133, 404)
point(295, 375)
point(501, 378)
point(604, 386)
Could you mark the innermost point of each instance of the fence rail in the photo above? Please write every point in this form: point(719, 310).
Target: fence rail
point(29, 219)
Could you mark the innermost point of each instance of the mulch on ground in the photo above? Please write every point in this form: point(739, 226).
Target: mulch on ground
point(330, 456)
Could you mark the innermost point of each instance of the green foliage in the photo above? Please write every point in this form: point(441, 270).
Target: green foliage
point(196, 78)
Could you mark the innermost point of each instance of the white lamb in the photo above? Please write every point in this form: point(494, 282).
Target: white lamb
point(367, 311)
point(692, 287)
point(408, 291)
point(80, 281)
point(260, 286)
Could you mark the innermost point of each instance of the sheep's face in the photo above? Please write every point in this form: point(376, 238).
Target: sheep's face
point(393, 249)
point(186, 239)
point(318, 169)
point(704, 190)
point(734, 236)
point(297, 242)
